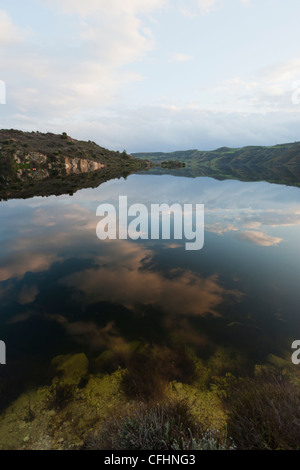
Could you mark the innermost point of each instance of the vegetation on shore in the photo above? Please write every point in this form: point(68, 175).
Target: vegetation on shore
point(172, 164)
point(37, 164)
point(283, 154)
point(55, 145)
point(276, 164)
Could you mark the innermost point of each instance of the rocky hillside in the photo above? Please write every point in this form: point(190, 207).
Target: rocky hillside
point(27, 158)
point(54, 146)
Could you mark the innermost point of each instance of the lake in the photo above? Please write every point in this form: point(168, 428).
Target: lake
point(234, 304)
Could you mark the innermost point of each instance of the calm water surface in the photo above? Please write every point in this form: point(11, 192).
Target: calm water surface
point(63, 290)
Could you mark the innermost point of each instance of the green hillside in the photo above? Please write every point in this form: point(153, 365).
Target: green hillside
point(278, 164)
point(287, 154)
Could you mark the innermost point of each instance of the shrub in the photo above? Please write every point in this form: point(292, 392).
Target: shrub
point(157, 426)
point(264, 413)
point(210, 440)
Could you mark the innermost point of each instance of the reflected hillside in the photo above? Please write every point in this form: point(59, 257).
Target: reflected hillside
point(60, 183)
point(289, 176)
point(278, 164)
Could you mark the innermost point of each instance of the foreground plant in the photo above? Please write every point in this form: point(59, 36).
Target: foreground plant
point(160, 426)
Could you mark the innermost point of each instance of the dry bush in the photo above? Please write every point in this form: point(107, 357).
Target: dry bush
point(157, 426)
point(264, 413)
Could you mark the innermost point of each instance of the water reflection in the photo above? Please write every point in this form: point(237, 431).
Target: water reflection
point(63, 289)
point(124, 278)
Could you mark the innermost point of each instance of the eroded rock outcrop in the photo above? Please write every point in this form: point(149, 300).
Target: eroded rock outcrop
point(80, 165)
point(38, 166)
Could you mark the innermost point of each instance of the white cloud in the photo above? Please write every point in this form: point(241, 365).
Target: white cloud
point(275, 88)
point(165, 128)
point(207, 5)
point(180, 58)
point(109, 36)
point(84, 83)
point(188, 13)
point(260, 238)
point(9, 33)
point(112, 8)
point(113, 30)
point(283, 72)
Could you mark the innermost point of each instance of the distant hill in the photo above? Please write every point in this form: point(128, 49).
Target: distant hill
point(284, 154)
point(278, 164)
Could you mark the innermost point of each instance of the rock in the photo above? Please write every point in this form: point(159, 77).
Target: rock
point(72, 368)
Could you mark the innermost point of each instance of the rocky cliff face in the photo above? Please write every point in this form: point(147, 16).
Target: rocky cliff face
point(79, 165)
point(37, 166)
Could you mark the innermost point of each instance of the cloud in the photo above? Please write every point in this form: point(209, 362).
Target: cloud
point(28, 294)
point(102, 7)
point(180, 58)
point(207, 5)
point(10, 33)
point(114, 30)
point(271, 89)
point(78, 82)
point(260, 238)
point(282, 72)
point(176, 127)
point(85, 68)
point(16, 265)
point(129, 282)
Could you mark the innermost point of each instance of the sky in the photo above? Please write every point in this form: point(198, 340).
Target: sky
point(152, 75)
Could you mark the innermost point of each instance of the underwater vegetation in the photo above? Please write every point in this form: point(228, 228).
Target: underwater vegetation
point(84, 406)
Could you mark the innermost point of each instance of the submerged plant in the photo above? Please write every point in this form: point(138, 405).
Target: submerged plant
point(59, 395)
